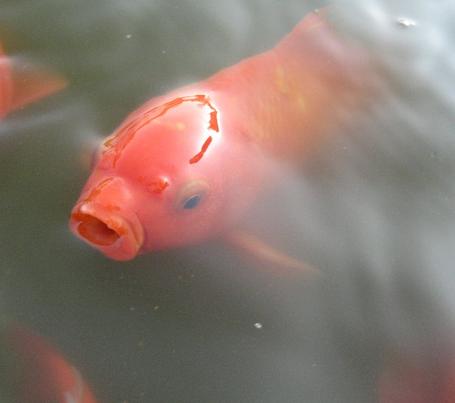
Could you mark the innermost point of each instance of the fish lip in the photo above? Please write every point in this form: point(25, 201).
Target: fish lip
point(123, 235)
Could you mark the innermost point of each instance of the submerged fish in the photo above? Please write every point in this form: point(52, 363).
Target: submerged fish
point(22, 83)
point(38, 373)
point(418, 379)
point(187, 166)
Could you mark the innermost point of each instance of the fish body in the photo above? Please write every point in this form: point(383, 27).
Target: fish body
point(41, 373)
point(408, 379)
point(5, 83)
point(187, 166)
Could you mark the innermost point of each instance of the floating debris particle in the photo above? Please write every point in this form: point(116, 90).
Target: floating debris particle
point(406, 22)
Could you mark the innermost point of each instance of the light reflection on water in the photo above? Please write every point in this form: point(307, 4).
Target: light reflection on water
point(375, 212)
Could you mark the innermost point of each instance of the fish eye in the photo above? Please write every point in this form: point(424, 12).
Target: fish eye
point(191, 202)
point(191, 195)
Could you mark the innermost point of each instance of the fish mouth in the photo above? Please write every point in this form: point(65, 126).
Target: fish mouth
point(119, 236)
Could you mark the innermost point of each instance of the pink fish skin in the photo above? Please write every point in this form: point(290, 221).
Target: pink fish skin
point(189, 165)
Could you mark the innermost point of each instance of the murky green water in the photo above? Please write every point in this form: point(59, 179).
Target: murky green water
point(201, 324)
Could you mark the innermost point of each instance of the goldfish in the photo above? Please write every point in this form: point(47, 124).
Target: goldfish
point(38, 372)
point(187, 166)
point(23, 83)
point(418, 379)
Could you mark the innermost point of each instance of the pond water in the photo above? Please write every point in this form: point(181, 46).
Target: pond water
point(202, 323)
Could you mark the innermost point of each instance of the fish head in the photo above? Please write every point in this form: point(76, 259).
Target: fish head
point(168, 177)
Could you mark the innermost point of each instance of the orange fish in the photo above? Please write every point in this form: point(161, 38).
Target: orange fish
point(22, 83)
point(41, 373)
point(187, 166)
point(407, 379)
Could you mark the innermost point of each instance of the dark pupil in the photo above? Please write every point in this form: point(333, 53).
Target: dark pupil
point(192, 202)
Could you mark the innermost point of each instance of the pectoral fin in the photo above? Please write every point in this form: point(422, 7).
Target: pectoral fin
point(267, 254)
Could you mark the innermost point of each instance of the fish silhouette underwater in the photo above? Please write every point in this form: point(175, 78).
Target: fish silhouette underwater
point(36, 372)
point(22, 83)
point(418, 379)
point(187, 166)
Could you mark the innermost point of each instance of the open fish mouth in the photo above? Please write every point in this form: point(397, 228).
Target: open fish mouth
point(106, 229)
